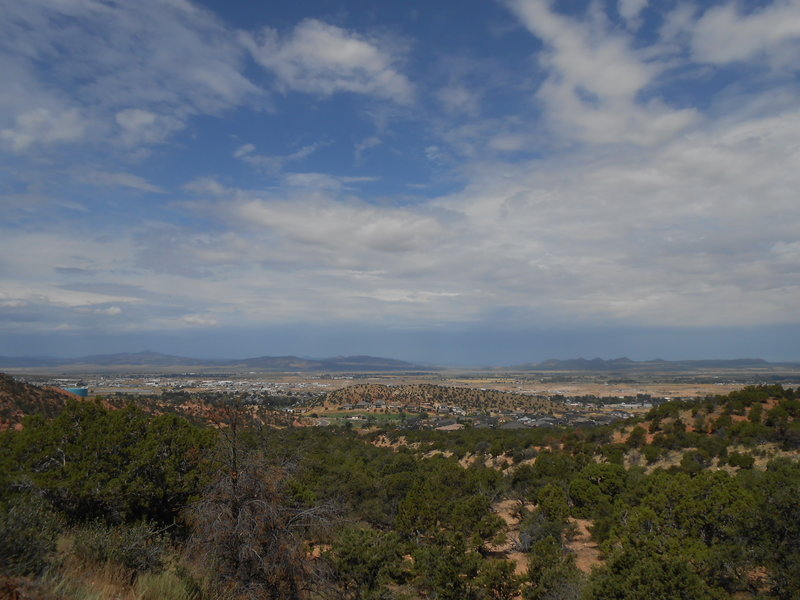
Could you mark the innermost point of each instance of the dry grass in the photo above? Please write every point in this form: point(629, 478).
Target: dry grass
point(73, 577)
point(111, 582)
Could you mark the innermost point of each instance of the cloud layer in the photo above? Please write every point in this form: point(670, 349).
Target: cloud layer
point(632, 166)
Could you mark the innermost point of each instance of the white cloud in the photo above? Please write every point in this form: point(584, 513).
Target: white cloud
point(435, 155)
point(456, 98)
point(677, 25)
point(508, 142)
point(787, 252)
point(630, 11)
point(207, 185)
point(137, 126)
point(683, 218)
point(594, 81)
point(349, 227)
point(585, 54)
point(698, 231)
point(199, 320)
point(126, 180)
point(313, 185)
point(365, 144)
point(243, 150)
point(43, 294)
point(613, 121)
point(685, 234)
point(273, 164)
point(723, 34)
point(131, 71)
point(40, 126)
point(325, 59)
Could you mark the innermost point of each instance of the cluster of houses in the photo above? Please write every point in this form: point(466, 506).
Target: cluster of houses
point(452, 418)
point(574, 419)
point(381, 406)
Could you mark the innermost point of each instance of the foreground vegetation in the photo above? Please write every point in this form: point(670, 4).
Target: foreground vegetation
point(696, 501)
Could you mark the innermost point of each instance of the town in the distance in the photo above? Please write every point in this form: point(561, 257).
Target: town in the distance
point(365, 391)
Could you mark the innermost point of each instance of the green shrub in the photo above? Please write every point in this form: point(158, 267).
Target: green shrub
point(138, 547)
point(743, 461)
point(536, 526)
point(652, 454)
point(28, 532)
point(695, 461)
point(637, 438)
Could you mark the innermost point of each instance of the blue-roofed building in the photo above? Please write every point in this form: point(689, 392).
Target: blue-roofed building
point(78, 391)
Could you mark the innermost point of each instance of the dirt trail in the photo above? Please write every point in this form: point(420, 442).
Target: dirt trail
point(507, 510)
point(587, 554)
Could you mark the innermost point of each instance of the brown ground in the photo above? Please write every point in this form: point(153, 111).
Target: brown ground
point(507, 510)
point(587, 554)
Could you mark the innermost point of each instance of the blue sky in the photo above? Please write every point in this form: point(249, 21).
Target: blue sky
point(456, 182)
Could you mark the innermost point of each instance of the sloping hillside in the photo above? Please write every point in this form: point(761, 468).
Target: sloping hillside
point(745, 428)
point(419, 396)
point(18, 399)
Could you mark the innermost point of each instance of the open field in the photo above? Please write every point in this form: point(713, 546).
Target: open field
point(659, 385)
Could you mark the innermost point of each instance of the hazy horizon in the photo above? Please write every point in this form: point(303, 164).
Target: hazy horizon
point(465, 348)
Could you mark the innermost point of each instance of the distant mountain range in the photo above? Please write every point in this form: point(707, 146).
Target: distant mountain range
point(355, 364)
point(261, 363)
point(626, 364)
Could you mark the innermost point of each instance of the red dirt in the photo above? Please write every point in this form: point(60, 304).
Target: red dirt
point(587, 554)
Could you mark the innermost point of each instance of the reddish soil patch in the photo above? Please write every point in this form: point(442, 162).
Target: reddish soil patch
point(587, 554)
point(507, 510)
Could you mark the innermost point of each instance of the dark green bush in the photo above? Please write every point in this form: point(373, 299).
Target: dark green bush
point(652, 454)
point(28, 532)
point(743, 461)
point(139, 547)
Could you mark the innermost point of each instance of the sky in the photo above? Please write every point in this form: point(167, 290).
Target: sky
point(472, 182)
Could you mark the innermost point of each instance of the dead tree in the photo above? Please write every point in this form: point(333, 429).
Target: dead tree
point(249, 533)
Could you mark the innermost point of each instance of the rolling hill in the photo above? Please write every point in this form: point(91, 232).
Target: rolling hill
point(18, 399)
point(418, 396)
point(139, 360)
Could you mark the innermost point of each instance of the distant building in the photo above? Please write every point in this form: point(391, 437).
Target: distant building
point(451, 427)
point(513, 425)
point(621, 414)
point(78, 391)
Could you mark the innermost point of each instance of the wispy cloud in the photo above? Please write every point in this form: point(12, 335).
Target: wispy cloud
point(458, 98)
point(125, 180)
point(273, 164)
point(367, 143)
point(725, 34)
point(40, 126)
point(117, 71)
point(630, 11)
point(325, 59)
point(595, 80)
